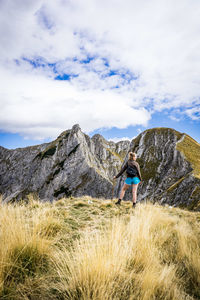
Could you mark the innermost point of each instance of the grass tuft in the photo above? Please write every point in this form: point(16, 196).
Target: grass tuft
point(84, 248)
point(25, 261)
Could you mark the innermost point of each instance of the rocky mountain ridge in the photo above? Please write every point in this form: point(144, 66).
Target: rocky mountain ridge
point(75, 164)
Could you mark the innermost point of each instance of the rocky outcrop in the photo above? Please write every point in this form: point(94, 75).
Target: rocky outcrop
point(75, 164)
point(168, 176)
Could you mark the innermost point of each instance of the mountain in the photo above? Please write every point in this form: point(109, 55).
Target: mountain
point(75, 164)
point(170, 167)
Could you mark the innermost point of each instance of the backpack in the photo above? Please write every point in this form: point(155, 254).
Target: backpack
point(131, 171)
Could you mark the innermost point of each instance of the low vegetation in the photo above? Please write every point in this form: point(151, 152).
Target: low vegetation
point(191, 150)
point(84, 248)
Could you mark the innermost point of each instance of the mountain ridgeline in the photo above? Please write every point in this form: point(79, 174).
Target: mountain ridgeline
point(75, 165)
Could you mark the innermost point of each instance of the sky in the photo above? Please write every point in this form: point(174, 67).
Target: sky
point(114, 67)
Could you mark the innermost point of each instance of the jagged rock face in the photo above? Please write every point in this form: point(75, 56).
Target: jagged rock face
point(75, 164)
point(167, 175)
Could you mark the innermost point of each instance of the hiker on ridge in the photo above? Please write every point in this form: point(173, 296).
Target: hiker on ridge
point(133, 177)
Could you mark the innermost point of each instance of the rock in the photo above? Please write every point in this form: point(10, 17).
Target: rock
point(168, 176)
point(14, 197)
point(75, 165)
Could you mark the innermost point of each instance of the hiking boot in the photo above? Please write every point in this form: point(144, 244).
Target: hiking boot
point(118, 202)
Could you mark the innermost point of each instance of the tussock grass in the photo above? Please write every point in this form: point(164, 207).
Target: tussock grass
point(150, 255)
point(84, 248)
point(23, 254)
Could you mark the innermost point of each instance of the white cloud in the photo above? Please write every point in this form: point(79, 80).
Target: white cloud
point(193, 113)
point(116, 139)
point(174, 118)
point(40, 107)
point(157, 41)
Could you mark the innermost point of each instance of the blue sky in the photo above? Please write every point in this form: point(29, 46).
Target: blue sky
point(116, 68)
point(15, 140)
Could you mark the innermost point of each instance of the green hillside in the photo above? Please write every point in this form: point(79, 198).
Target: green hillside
point(191, 150)
point(84, 248)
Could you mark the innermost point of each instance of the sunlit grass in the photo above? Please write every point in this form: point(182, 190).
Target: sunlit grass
point(23, 253)
point(84, 248)
point(191, 150)
point(151, 255)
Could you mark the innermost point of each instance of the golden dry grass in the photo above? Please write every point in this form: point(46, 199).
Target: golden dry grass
point(23, 253)
point(88, 248)
point(150, 255)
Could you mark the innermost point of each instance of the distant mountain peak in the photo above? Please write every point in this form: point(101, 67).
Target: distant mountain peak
point(75, 164)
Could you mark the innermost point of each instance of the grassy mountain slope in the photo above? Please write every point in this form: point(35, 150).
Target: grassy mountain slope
point(170, 167)
point(84, 248)
point(191, 150)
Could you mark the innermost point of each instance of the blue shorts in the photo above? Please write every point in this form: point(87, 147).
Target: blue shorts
point(132, 180)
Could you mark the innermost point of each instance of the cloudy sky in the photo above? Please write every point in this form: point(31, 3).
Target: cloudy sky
point(114, 67)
